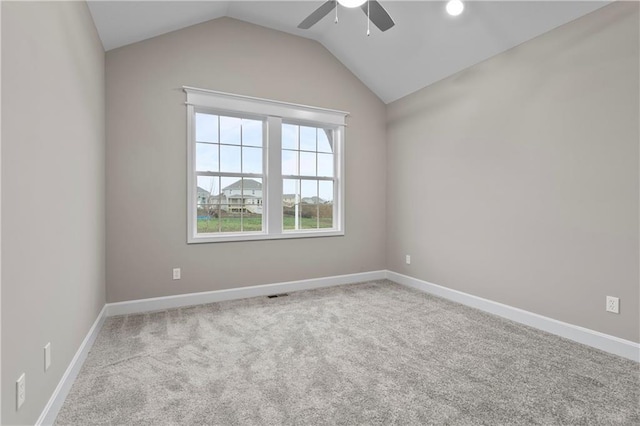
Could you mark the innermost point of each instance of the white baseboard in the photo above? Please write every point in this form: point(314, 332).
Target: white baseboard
point(604, 342)
point(52, 408)
point(181, 300)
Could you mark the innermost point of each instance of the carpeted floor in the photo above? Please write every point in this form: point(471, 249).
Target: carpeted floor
point(370, 353)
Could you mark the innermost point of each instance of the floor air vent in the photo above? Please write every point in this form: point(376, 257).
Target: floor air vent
point(277, 295)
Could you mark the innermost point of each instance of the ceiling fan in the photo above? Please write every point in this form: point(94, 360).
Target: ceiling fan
point(374, 10)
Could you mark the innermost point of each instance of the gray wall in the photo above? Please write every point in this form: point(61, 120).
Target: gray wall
point(52, 193)
point(146, 159)
point(517, 179)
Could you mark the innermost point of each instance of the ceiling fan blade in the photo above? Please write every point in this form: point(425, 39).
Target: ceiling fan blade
point(379, 15)
point(318, 14)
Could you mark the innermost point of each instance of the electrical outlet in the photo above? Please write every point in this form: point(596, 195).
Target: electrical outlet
point(21, 391)
point(47, 356)
point(176, 273)
point(613, 304)
point(408, 259)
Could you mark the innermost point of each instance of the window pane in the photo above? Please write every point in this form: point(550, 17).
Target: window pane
point(325, 213)
point(325, 192)
point(241, 204)
point(207, 208)
point(308, 216)
point(206, 187)
point(307, 138)
point(290, 189)
point(231, 186)
point(251, 132)
point(251, 160)
point(290, 210)
point(231, 219)
point(206, 157)
point(230, 130)
point(323, 140)
point(208, 218)
point(325, 205)
point(289, 136)
point(307, 163)
point(308, 204)
point(289, 162)
point(325, 165)
point(309, 191)
point(252, 194)
point(288, 218)
point(251, 222)
point(206, 127)
point(229, 159)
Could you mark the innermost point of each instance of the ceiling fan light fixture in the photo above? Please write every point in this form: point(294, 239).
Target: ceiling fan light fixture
point(374, 11)
point(455, 7)
point(351, 3)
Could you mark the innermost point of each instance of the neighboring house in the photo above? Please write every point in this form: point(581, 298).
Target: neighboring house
point(289, 200)
point(218, 201)
point(243, 196)
point(244, 203)
point(313, 200)
point(248, 187)
point(210, 203)
point(246, 197)
point(203, 196)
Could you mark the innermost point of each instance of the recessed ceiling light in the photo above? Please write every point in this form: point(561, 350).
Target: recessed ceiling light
point(455, 7)
point(351, 3)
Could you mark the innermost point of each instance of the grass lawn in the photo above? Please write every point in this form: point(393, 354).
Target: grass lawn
point(254, 223)
point(307, 222)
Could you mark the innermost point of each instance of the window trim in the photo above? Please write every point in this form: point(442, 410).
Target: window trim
point(274, 113)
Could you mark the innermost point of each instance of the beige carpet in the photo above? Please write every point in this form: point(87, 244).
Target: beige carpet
point(370, 353)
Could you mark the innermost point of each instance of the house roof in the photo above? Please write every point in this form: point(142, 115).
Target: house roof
point(313, 200)
point(248, 184)
point(203, 191)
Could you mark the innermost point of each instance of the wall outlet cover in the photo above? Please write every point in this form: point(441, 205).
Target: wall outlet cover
point(613, 304)
point(21, 391)
point(47, 356)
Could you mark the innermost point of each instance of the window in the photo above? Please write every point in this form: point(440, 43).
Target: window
point(262, 169)
point(308, 177)
point(229, 170)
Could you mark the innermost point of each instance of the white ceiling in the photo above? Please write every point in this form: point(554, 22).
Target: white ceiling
point(426, 44)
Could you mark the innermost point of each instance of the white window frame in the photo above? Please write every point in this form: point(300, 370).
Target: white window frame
point(273, 113)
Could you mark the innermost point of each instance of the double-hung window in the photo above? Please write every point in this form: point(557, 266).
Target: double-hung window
point(262, 169)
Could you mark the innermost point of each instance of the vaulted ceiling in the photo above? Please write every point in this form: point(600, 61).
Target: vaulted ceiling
point(425, 45)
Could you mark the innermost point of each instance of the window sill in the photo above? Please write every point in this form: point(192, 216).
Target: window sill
point(286, 235)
